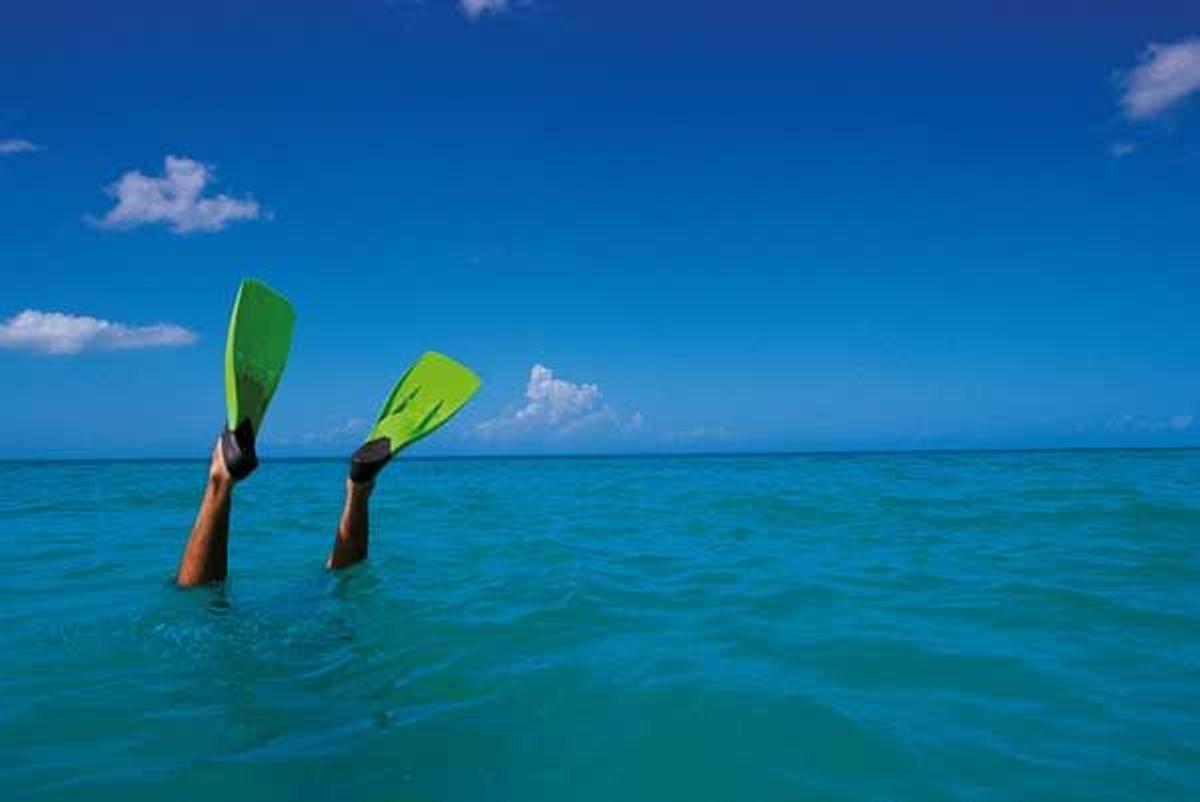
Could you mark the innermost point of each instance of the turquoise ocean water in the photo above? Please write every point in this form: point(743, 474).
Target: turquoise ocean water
point(981, 626)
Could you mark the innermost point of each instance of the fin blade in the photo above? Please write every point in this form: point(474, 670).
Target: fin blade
point(426, 397)
point(256, 351)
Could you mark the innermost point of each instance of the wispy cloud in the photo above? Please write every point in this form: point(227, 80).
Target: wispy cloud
point(59, 334)
point(13, 147)
point(556, 409)
point(698, 435)
point(1144, 424)
point(1166, 75)
point(175, 199)
point(334, 434)
point(474, 9)
point(1119, 150)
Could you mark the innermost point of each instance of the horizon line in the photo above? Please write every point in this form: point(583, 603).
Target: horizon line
point(639, 454)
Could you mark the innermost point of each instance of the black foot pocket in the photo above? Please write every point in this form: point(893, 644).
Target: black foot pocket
point(237, 447)
point(369, 459)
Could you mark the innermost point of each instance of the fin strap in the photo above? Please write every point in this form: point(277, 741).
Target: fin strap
point(369, 459)
point(237, 448)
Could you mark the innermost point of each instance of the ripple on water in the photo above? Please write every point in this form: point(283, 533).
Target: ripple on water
point(924, 627)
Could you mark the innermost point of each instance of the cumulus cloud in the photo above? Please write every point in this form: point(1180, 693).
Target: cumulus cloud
point(556, 408)
point(474, 9)
point(60, 334)
point(176, 199)
point(1165, 76)
point(12, 147)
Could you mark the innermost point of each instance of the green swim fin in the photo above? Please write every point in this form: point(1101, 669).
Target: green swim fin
point(427, 395)
point(256, 351)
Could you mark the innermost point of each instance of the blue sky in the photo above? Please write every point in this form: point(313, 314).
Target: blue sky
point(648, 226)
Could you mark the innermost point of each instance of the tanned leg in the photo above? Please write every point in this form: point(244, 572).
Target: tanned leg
point(205, 558)
point(350, 545)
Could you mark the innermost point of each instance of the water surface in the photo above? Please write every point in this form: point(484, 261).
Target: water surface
point(843, 627)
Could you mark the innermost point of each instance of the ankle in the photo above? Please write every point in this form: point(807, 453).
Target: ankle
point(219, 481)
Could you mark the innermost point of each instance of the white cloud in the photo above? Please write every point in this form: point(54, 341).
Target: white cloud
point(1166, 75)
point(1181, 423)
point(556, 408)
point(474, 9)
point(174, 199)
point(1119, 150)
point(59, 334)
point(11, 147)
